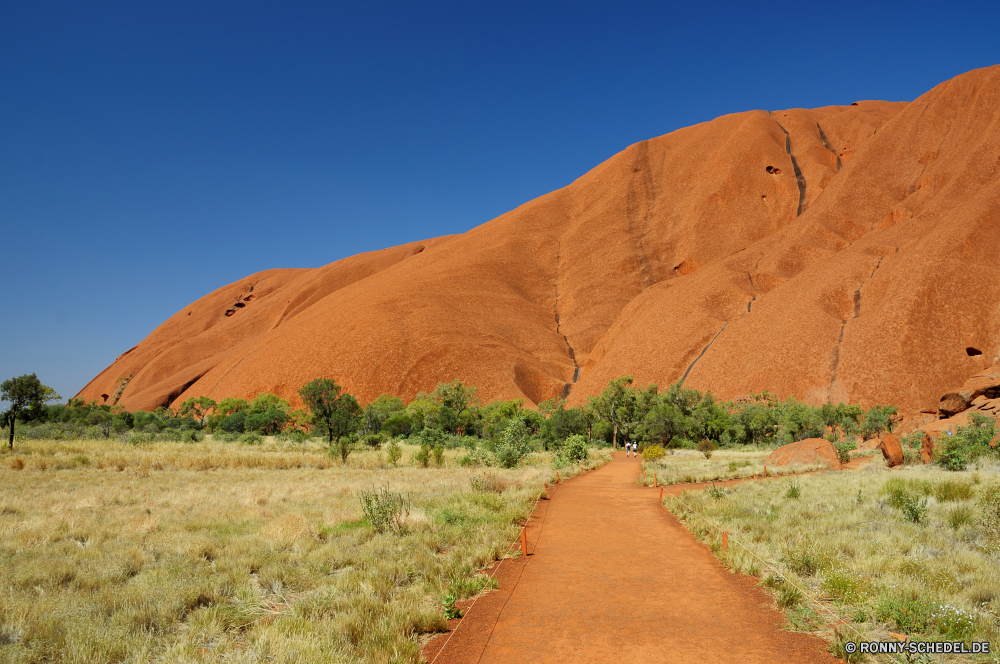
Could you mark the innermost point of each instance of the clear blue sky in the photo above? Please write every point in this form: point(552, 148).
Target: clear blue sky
point(151, 152)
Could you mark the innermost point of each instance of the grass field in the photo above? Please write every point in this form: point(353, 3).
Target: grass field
point(212, 552)
point(684, 466)
point(913, 551)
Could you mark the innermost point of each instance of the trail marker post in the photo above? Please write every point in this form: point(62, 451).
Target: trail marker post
point(725, 540)
point(661, 494)
point(654, 480)
point(558, 481)
point(524, 541)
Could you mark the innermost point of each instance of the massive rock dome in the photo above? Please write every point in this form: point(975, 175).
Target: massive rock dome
point(847, 253)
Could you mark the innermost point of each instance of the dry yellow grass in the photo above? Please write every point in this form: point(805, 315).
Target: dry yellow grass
point(849, 545)
point(684, 466)
point(210, 552)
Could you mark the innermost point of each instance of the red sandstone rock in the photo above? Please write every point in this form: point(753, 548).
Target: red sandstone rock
point(927, 448)
point(892, 450)
point(952, 404)
point(871, 444)
point(681, 256)
point(806, 452)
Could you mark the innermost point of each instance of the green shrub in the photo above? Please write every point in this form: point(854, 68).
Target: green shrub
point(450, 610)
point(844, 450)
point(385, 510)
point(736, 465)
point(373, 440)
point(423, 455)
point(914, 509)
point(794, 489)
point(575, 449)
point(513, 444)
point(251, 438)
point(393, 452)
point(140, 438)
point(438, 453)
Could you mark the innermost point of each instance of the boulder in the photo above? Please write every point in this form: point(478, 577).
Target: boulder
point(808, 452)
point(984, 384)
point(952, 404)
point(871, 444)
point(975, 393)
point(892, 450)
point(927, 449)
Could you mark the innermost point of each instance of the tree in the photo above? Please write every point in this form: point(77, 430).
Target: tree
point(335, 412)
point(23, 393)
point(614, 405)
point(198, 408)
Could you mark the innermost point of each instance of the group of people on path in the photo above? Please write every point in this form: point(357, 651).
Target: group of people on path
point(631, 449)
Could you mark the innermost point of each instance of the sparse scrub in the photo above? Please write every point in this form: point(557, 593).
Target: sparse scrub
point(794, 489)
point(932, 577)
point(140, 554)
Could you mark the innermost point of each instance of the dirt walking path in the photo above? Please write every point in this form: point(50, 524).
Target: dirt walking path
point(613, 577)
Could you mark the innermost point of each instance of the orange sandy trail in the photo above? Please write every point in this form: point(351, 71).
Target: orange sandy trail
point(613, 577)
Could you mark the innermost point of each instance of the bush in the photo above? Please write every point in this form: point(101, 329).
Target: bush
point(513, 444)
point(844, 451)
point(654, 452)
point(794, 489)
point(423, 456)
point(575, 449)
point(438, 453)
point(385, 510)
point(393, 452)
point(251, 438)
point(140, 438)
point(706, 447)
point(235, 423)
point(953, 490)
point(373, 440)
point(913, 508)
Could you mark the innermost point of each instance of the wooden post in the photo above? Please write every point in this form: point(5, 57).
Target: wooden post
point(545, 485)
point(524, 541)
point(661, 494)
point(558, 481)
point(725, 540)
point(654, 480)
point(765, 471)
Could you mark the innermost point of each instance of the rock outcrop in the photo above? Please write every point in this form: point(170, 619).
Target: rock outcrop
point(808, 452)
point(981, 392)
point(892, 450)
point(927, 448)
point(845, 253)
